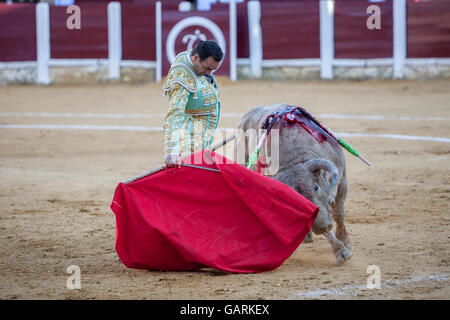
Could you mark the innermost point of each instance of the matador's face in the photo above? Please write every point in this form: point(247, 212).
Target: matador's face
point(204, 67)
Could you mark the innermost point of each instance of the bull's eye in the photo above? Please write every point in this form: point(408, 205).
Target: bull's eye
point(316, 187)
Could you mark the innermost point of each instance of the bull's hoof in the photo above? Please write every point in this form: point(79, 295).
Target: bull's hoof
point(342, 235)
point(348, 245)
point(343, 255)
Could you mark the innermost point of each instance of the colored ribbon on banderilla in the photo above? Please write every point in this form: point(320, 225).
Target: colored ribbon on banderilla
point(273, 118)
point(268, 124)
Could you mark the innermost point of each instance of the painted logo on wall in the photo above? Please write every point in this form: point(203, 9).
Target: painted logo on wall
point(183, 35)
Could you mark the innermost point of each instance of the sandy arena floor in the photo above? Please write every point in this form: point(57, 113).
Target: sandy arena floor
point(57, 185)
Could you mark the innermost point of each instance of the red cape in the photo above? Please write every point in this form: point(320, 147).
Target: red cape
point(187, 218)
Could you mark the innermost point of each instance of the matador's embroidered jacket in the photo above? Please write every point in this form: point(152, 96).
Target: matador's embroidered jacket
point(194, 108)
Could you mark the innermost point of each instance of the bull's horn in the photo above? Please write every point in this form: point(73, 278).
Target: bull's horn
point(324, 164)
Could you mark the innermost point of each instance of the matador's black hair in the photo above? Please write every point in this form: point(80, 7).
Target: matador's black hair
point(207, 49)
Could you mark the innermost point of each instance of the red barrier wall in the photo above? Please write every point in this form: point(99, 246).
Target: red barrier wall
point(352, 38)
point(241, 27)
point(243, 49)
point(17, 32)
point(138, 32)
point(91, 41)
point(290, 30)
point(428, 29)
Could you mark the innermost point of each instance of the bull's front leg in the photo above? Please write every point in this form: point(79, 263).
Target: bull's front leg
point(338, 214)
point(340, 251)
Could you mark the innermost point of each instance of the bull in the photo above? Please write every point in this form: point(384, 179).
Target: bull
point(315, 170)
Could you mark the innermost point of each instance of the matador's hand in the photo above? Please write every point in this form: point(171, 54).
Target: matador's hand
point(172, 160)
point(207, 157)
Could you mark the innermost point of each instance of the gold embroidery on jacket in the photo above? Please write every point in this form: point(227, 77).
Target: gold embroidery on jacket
point(189, 129)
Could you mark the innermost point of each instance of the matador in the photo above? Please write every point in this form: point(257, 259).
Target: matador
point(194, 102)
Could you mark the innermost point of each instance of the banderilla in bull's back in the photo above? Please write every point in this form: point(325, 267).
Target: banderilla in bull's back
point(341, 141)
point(273, 118)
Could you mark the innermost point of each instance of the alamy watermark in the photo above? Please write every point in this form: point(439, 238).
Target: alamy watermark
point(245, 144)
point(74, 280)
point(374, 280)
point(374, 20)
point(74, 20)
